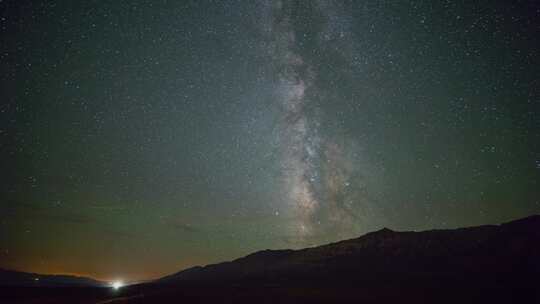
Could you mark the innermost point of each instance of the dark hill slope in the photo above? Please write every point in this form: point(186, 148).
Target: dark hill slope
point(18, 278)
point(486, 252)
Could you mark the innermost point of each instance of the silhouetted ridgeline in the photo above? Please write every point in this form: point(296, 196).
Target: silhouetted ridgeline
point(18, 278)
point(485, 264)
point(491, 252)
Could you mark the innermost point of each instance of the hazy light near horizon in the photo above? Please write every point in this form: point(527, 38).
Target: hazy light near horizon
point(117, 285)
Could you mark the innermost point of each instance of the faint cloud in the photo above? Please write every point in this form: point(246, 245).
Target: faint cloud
point(37, 212)
point(107, 208)
point(185, 227)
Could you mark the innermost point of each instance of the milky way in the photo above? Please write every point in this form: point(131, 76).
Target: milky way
point(316, 170)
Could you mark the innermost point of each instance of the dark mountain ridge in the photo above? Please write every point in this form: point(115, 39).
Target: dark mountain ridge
point(18, 278)
point(385, 255)
point(484, 264)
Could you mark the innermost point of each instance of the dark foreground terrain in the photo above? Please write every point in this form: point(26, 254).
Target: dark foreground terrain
point(486, 264)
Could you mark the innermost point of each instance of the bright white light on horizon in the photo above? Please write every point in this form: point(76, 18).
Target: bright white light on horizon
point(117, 284)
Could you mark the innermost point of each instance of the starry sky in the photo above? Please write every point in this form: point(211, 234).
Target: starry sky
point(138, 138)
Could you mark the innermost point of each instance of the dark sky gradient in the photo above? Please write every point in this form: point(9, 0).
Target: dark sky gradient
point(138, 138)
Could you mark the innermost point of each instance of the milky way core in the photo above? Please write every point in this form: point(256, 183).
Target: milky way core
point(316, 172)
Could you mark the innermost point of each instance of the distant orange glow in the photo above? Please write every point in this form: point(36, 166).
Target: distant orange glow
point(157, 271)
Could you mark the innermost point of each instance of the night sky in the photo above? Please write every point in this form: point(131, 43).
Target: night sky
point(138, 138)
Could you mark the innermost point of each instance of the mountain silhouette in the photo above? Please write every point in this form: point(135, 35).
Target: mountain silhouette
point(18, 278)
point(492, 263)
point(484, 264)
point(386, 255)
